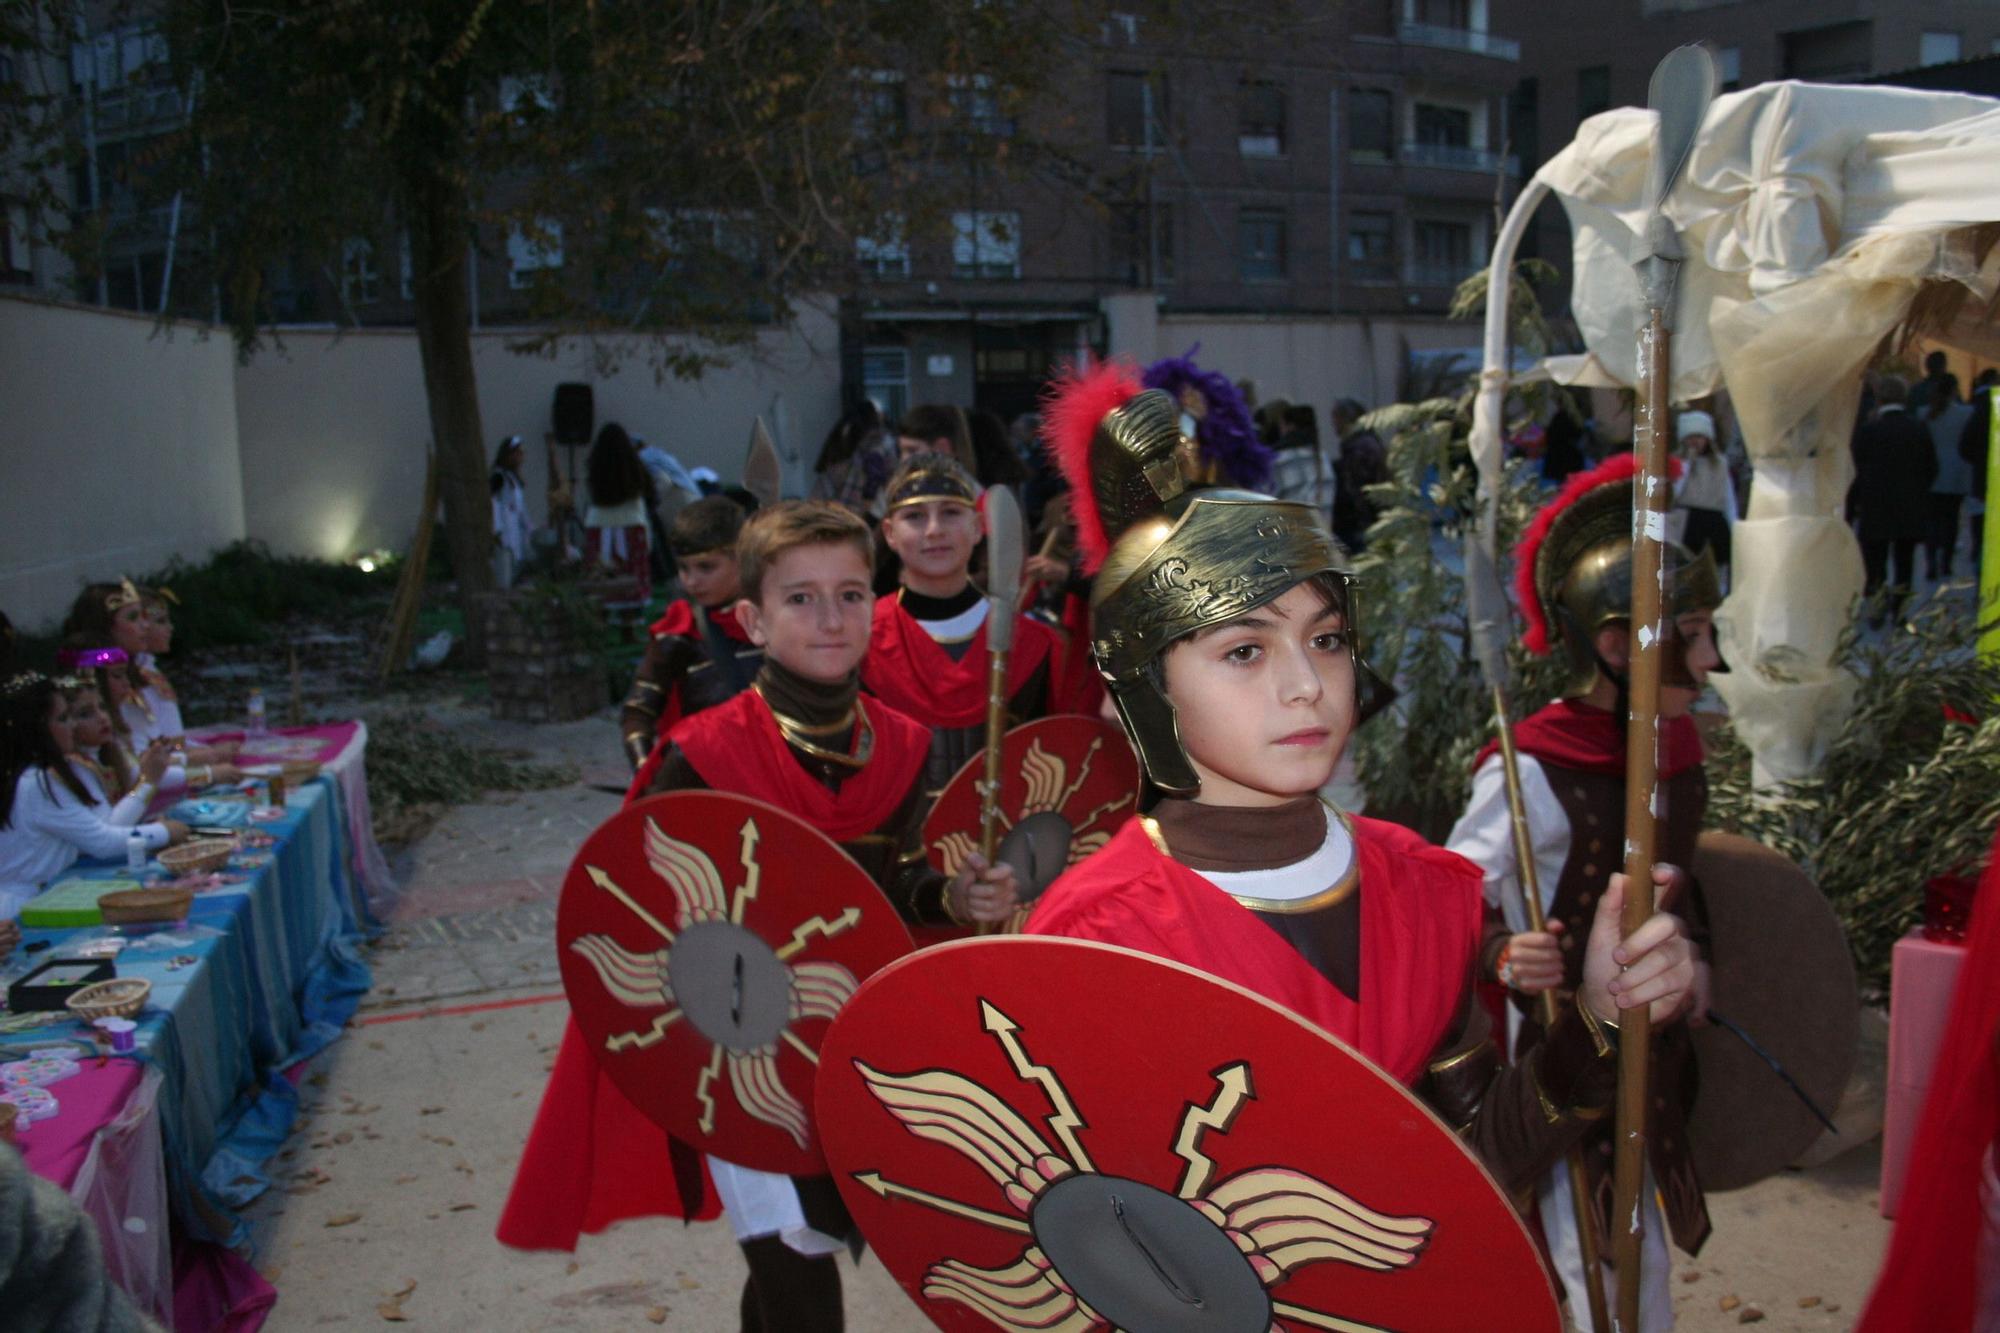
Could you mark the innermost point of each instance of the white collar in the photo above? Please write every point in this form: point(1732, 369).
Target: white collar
point(1301, 879)
point(960, 627)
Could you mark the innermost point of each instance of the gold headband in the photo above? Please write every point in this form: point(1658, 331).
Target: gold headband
point(127, 595)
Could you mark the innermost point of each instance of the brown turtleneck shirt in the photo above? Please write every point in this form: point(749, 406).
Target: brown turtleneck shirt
point(1517, 1118)
point(893, 855)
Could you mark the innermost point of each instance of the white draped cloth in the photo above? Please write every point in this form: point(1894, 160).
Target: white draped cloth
point(1812, 216)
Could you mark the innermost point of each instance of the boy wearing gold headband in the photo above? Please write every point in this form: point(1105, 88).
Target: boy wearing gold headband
point(1224, 629)
point(927, 653)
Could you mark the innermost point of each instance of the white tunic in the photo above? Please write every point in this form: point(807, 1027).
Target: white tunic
point(164, 720)
point(1484, 835)
point(47, 830)
point(129, 808)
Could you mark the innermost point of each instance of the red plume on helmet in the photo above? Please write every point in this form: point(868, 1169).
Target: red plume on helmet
point(1071, 411)
point(1617, 468)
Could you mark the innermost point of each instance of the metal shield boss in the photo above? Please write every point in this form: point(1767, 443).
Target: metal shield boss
point(1051, 1134)
point(1067, 783)
point(1780, 970)
point(706, 941)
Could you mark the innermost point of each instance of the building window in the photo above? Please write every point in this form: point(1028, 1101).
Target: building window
point(883, 108)
point(1524, 121)
point(1260, 245)
point(529, 252)
point(1835, 51)
point(404, 266)
point(1729, 68)
point(1444, 13)
point(986, 245)
point(360, 283)
point(1938, 48)
point(1260, 125)
point(1443, 126)
point(976, 105)
point(527, 95)
point(1121, 29)
point(887, 253)
point(885, 380)
point(1441, 253)
point(1371, 247)
point(1593, 91)
point(1371, 129)
point(1134, 105)
point(1132, 241)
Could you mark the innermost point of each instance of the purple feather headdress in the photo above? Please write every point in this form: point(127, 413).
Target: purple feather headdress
point(1228, 441)
point(72, 659)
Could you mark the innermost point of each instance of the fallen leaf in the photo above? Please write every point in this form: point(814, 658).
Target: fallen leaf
point(1728, 1303)
point(1751, 1315)
point(391, 1310)
point(479, 1027)
point(1833, 1307)
point(430, 1110)
point(657, 1315)
point(1691, 1275)
point(344, 1137)
point(688, 1283)
point(377, 1046)
point(462, 1207)
point(406, 1180)
point(1808, 1302)
point(343, 1219)
point(573, 1267)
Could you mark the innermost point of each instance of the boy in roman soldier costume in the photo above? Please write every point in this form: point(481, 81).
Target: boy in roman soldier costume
point(698, 655)
point(1224, 630)
point(927, 654)
point(1573, 575)
point(803, 739)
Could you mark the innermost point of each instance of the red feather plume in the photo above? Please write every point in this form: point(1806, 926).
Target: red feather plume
point(1619, 467)
point(1071, 411)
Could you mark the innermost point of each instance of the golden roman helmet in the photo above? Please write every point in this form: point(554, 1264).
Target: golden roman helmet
point(1169, 559)
point(1573, 574)
point(924, 477)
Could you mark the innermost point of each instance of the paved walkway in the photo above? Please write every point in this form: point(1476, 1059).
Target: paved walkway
point(395, 1177)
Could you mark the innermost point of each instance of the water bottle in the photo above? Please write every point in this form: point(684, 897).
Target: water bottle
point(135, 850)
point(256, 727)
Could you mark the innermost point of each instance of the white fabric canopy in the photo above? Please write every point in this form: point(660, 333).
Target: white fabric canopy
point(1812, 215)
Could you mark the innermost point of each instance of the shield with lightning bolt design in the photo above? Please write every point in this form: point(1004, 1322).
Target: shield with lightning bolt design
point(1067, 783)
point(1210, 1164)
point(706, 942)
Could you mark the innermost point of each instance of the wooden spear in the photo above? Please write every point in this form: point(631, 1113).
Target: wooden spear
point(1004, 552)
point(1682, 87)
point(1492, 627)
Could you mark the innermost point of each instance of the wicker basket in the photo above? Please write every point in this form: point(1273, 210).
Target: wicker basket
point(132, 907)
point(120, 997)
point(198, 857)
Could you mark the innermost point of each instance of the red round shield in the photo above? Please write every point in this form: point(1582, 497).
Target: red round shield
point(706, 942)
point(1023, 1155)
point(1066, 785)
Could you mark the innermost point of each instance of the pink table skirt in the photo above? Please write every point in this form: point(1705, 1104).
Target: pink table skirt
point(55, 1148)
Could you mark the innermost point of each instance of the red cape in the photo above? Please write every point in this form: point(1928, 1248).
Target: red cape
point(1573, 735)
point(678, 623)
point(1420, 925)
point(1079, 687)
point(1931, 1277)
point(592, 1157)
point(907, 669)
point(737, 747)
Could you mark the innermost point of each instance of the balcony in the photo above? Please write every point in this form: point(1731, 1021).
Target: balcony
point(1456, 158)
point(1459, 39)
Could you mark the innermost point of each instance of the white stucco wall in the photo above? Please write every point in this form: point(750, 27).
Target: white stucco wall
point(334, 426)
point(119, 450)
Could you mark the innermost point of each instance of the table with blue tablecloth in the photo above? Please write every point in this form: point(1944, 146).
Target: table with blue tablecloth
point(261, 975)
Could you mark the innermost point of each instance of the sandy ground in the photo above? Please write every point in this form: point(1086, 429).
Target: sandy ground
point(394, 1180)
